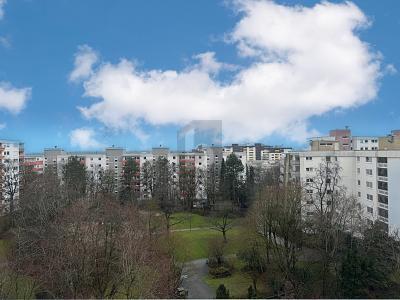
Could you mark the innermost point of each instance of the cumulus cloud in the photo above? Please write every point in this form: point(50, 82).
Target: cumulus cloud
point(13, 99)
point(85, 58)
point(2, 3)
point(305, 61)
point(84, 138)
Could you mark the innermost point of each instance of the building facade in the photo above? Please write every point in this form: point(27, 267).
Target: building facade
point(11, 162)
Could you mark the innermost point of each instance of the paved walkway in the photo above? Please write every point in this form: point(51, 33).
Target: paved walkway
point(191, 229)
point(193, 274)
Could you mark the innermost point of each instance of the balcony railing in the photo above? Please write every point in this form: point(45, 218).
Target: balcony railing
point(382, 178)
point(381, 205)
point(382, 192)
point(382, 219)
point(382, 165)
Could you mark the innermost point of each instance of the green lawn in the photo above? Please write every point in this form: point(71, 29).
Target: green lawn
point(194, 244)
point(238, 283)
point(4, 246)
point(188, 220)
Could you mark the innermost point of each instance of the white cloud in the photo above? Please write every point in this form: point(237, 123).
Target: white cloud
point(13, 99)
point(5, 42)
point(390, 69)
point(2, 3)
point(2, 125)
point(305, 62)
point(84, 138)
point(85, 58)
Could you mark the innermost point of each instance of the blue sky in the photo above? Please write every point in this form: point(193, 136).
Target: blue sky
point(41, 37)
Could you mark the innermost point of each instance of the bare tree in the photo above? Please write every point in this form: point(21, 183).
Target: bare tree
point(10, 179)
point(147, 179)
point(223, 224)
point(166, 191)
point(276, 216)
point(187, 184)
point(330, 213)
point(211, 185)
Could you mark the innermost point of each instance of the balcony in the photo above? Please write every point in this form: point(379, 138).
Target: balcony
point(382, 165)
point(384, 206)
point(383, 178)
point(382, 192)
point(382, 219)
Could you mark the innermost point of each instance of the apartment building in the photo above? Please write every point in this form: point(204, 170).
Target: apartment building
point(202, 158)
point(342, 139)
point(369, 171)
point(371, 176)
point(11, 160)
point(34, 161)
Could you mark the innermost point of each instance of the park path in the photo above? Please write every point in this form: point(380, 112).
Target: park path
point(193, 274)
point(190, 229)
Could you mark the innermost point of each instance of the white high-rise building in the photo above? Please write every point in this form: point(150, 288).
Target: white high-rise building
point(372, 177)
point(11, 159)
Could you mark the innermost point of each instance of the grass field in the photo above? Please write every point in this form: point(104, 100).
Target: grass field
point(188, 220)
point(4, 246)
point(194, 244)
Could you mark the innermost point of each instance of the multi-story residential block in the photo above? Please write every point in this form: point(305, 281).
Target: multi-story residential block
point(364, 143)
point(203, 159)
point(343, 137)
point(11, 161)
point(371, 176)
point(35, 161)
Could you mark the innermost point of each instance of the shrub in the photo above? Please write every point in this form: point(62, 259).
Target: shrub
point(222, 292)
point(216, 250)
point(220, 272)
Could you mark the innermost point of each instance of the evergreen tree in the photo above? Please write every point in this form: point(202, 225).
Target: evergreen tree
point(233, 182)
point(75, 178)
point(128, 181)
point(222, 292)
point(250, 186)
point(222, 181)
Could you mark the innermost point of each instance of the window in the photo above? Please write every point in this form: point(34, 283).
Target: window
point(309, 169)
point(382, 185)
point(370, 210)
point(370, 197)
point(308, 158)
point(383, 199)
point(382, 172)
point(358, 182)
point(358, 170)
point(328, 158)
point(383, 212)
point(369, 184)
point(382, 160)
point(309, 191)
point(309, 180)
point(359, 194)
point(368, 159)
point(368, 171)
